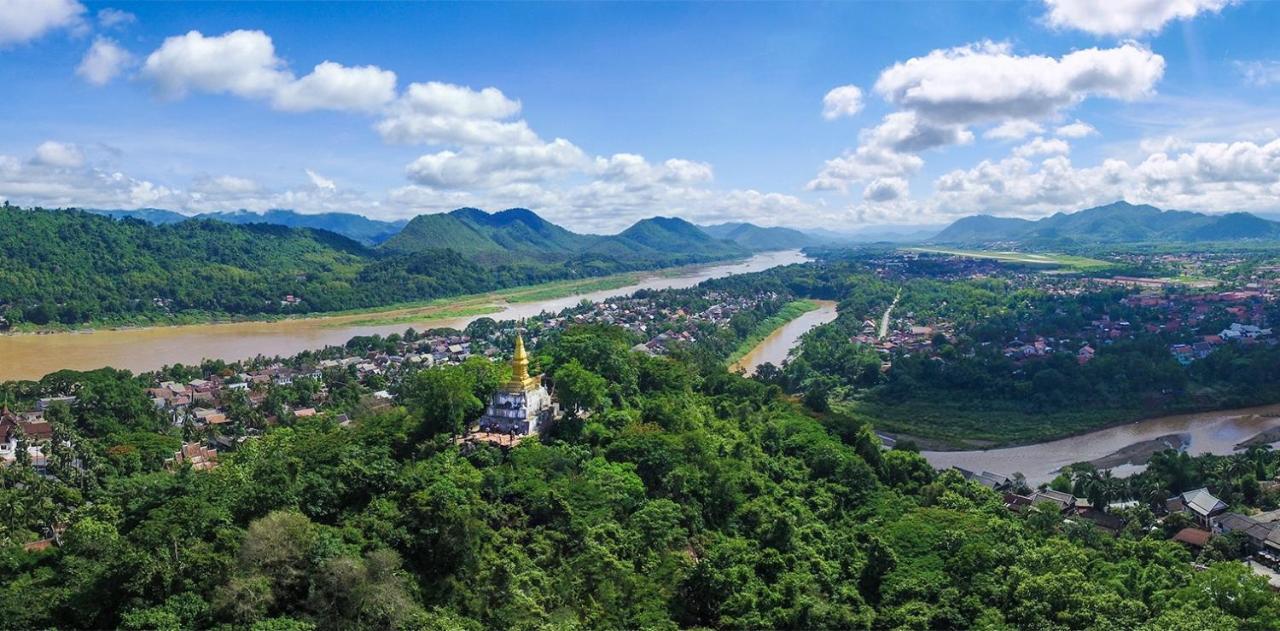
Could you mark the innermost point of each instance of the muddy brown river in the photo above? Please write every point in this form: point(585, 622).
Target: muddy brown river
point(142, 349)
point(775, 348)
point(1206, 432)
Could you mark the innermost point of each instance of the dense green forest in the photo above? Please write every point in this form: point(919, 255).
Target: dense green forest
point(70, 267)
point(683, 496)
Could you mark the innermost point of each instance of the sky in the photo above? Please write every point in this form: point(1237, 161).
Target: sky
point(595, 115)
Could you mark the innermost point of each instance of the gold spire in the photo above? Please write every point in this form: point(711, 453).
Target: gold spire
point(520, 379)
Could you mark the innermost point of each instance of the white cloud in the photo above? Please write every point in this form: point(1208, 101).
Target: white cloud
point(104, 61)
point(1078, 129)
point(447, 114)
point(244, 63)
point(488, 167)
point(24, 20)
point(58, 154)
point(332, 86)
point(225, 185)
point(944, 92)
point(986, 82)
point(1259, 73)
point(885, 189)
point(1042, 147)
point(1125, 17)
point(1163, 144)
point(845, 100)
point(112, 18)
point(1242, 175)
point(1013, 130)
point(320, 181)
point(867, 162)
point(635, 170)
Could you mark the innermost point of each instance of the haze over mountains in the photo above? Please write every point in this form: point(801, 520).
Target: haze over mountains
point(520, 233)
point(1119, 222)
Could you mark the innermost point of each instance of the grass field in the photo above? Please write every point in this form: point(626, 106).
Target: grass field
point(1076, 263)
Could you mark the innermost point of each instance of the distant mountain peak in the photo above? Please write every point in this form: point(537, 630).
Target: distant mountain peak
point(1117, 222)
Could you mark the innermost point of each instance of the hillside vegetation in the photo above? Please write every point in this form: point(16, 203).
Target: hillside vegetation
point(71, 267)
point(688, 498)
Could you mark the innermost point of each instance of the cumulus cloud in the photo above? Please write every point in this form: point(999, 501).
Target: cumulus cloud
point(244, 63)
point(1013, 130)
point(487, 167)
point(941, 94)
point(333, 86)
point(845, 100)
point(986, 82)
point(1125, 17)
point(1078, 129)
point(24, 20)
point(885, 189)
point(443, 113)
point(1241, 175)
point(58, 154)
point(1042, 147)
point(104, 61)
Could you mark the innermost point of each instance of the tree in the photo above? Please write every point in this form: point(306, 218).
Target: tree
point(580, 389)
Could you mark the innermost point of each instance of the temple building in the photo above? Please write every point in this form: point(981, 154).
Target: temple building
point(522, 405)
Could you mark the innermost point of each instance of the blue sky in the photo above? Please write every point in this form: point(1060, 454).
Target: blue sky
point(598, 114)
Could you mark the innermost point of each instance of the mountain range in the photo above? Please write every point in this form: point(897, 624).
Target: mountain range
point(350, 225)
point(1119, 222)
point(520, 233)
point(71, 266)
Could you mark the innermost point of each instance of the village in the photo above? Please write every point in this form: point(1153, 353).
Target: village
point(230, 403)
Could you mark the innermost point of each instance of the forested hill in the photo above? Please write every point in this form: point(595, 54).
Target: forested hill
point(357, 227)
point(754, 237)
point(1120, 222)
point(518, 232)
point(687, 498)
point(73, 267)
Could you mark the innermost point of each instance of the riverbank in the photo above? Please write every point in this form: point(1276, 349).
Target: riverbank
point(518, 294)
point(766, 327)
point(776, 345)
point(148, 348)
point(1125, 448)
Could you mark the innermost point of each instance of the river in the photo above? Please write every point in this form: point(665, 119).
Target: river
point(775, 348)
point(142, 349)
point(1204, 432)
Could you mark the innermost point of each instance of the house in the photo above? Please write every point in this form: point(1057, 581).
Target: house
point(1193, 537)
point(1065, 501)
point(993, 481)
point(1200, 503)
point(1256, 532)
point(200, 458)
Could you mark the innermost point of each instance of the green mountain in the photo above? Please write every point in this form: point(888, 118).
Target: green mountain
point(73, 267)
point(1120, 222)
point(521, 235)
point(753, 237)
point(350, 225)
